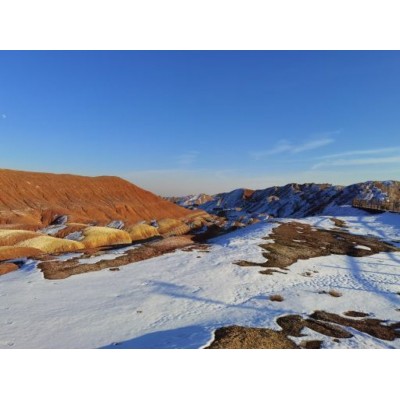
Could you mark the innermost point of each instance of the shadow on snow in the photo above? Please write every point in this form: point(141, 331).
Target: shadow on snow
point(189, 337)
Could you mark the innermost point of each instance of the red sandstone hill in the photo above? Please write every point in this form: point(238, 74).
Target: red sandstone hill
point(36, 199)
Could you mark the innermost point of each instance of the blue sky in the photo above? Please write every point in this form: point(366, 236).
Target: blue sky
point(180, 122)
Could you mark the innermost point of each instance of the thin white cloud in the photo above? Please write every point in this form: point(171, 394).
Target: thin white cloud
point(188, 158)
point(314, 144)
point(361, 152)
point(342, 162)
point(284, 146)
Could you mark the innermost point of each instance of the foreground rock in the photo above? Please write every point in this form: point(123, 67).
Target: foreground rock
point(239, 337)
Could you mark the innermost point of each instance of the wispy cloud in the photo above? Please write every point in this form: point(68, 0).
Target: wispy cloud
point(361, 152)
point(311, 145)
point(188, 158)
point(285, 146)
point(342, 162)
point(359, 158)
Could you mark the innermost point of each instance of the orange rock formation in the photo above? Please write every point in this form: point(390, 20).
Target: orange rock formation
point(34, 200)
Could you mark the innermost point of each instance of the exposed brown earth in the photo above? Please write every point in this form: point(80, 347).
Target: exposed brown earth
point(36, 199)
point(327, 324)
point(333, 293)
point(356, 314)
point(339, 223)
point(294, 241)
point(7, 267)
point(311, 344)
point(276, 297)
point(64, 269)
point(371, 326)
point(239, 337)
point(293, 325)
point(333, 325)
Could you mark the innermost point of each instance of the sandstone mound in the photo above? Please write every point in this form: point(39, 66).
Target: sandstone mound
point(13, 252)
point(142, 232)
point(96, 236)
point(37, 199)
point(7, 267)
point(10, 237)
point(172, 227)
point(48, 244)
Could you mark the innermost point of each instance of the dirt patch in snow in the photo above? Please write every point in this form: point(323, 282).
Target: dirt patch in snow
point(294, 241)
point(203, 248)
point(333, 293)
point(334, 325)
point(240, 337)
point(293, 325)
point(374, 327)
point(64, 269)
point(339, 223)
point(276, 297)
point(356, 314)
point(322, 322)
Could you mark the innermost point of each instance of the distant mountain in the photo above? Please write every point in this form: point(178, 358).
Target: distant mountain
point(38, 199)
point(191, 201)
point(297, 200)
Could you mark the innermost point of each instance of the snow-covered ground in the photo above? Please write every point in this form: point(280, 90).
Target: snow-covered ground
point(179, 299)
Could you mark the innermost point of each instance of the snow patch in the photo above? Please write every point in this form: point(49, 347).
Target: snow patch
point(361, 247)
